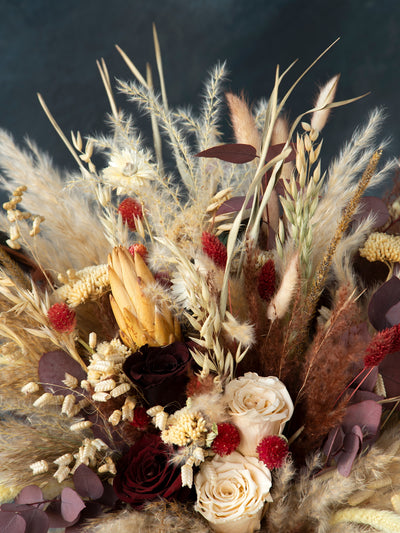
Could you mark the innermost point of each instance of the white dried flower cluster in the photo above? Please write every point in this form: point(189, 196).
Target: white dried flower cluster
point(128, 170)
point(105, 368)
point(87, 284)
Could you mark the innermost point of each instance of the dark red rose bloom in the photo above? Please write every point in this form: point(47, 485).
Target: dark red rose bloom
point(161, 373)
point(146, 472)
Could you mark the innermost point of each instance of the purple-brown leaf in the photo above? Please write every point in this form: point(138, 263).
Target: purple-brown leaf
point(30, 494)
point(52, 369)
point(36, 520)
point(87, 483)
point(12, 523)
point(232, 153)
point(71, 504)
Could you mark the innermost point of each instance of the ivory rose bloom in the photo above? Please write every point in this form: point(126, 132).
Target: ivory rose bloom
point(231, 492)
point(259, 406)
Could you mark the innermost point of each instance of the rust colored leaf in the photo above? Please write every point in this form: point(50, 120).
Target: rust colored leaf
point(232, 153)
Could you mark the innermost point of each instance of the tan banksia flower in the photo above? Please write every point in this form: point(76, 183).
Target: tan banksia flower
point(381, 247)
point(140, 320)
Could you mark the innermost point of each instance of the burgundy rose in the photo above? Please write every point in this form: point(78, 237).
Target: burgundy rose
point(146, 472)
point(161, 373)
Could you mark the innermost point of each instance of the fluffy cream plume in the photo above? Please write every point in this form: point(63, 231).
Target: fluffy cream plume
point(281, 301)
point(243, 123)
point(242, 332)
point(325, 97)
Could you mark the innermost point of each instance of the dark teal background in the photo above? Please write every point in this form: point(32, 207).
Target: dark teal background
point(50, 46)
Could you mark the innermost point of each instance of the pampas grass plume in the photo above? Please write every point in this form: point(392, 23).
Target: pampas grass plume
point(282, 299)
point(325, 97)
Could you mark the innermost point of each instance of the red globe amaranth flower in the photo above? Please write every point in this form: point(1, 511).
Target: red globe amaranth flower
point(146, 472)
point(227, 440)
point(141, 419)
point(130, 209)
point(266, 280)
point(62, 318)
point(139, 249)
point(384, 342)
point(214, 248)
point(273, 450)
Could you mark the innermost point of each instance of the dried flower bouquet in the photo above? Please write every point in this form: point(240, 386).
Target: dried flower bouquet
point(209, 348)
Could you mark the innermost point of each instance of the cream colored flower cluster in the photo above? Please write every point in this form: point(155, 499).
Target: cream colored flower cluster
point(86, 284)
point(381, 247)
point(232, 489)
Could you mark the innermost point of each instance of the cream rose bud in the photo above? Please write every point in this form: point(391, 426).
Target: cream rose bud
point(259, 406)
point(231, 492)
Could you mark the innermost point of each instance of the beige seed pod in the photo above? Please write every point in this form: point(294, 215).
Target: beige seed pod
point(108, 466)
point(101, 366)
point(198, 454)
point(99, 444)
point(154, 410)
point(13, 244)
point(79, 426)
point(39, 467)
point(85, 385)
point(62, 473)
point(68, 406)
point(161, 420)
point(64, 460)
point(187, 475)
point(30, 387)
point(70, 381)
point(115, 417)
point(127, 413)
point(83, 403)
point(120, 389)
point(15, 233)
point(92, 340)
point(105, 386)
point(45, 399)
point(101, 396)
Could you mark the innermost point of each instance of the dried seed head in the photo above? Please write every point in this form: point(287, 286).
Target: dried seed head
point(64, 460)
point(40, 467)
point(62, 473)
point(79, 426)
point(101, 396)
point(30, 387)
point(105, 386)
point(70, 381)
point(120, 389)
point(115, 417)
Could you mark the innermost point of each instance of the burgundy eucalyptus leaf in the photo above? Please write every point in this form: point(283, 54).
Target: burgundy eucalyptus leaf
point(351, 446)
point(365, 414)
point(233, 205)
point(109, 497)
point(71, 504)
point(372, 205)
point(382, 301)
point(390, 372)
point(87, 483)
point(30, 494)
point(392, 317)
point(56, 521)
point(52, 369)
point(12, 523)
point(232, 153)
point(36, 520)
point(334, 442)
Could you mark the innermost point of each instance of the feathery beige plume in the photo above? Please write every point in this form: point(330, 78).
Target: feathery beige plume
point(243, 123)
point(281, 301)
point(325, 97)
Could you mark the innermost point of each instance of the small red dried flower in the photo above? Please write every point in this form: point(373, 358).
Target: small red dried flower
point(140, 418)
point(62, 318)
point(272, 451)
point(227, 440)
point(214, 248)
point(130, 209)
point(384, 342)
point(266, 280)
point(139, 249)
